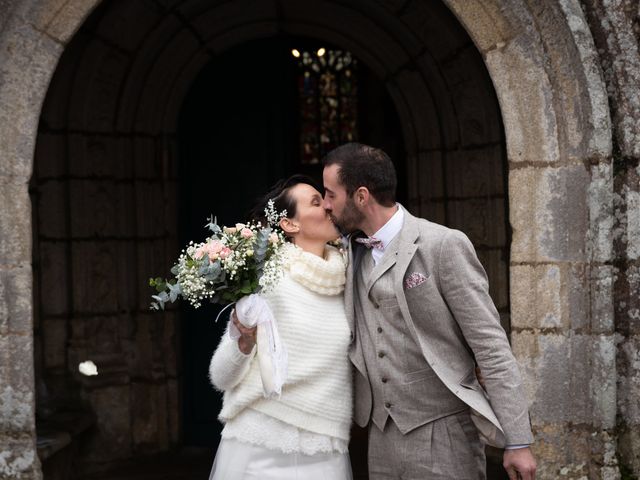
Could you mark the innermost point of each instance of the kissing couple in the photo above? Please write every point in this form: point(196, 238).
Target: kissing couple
point(388, 332)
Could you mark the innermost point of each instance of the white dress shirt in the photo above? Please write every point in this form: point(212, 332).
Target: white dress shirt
point(387, 233)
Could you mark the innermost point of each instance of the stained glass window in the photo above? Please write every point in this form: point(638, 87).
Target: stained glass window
point(327, 93)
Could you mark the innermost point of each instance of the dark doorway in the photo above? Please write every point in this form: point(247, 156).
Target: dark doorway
point(239, 132)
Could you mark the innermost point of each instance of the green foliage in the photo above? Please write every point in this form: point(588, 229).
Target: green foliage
point(228, 251)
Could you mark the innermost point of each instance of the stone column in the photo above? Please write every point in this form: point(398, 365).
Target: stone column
point(18, 458)
point(27, 59)
point(543, 64)
point(616, 30)
point(32, 37)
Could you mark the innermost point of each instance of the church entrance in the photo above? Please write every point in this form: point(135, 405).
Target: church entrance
point(160, 115)
point(256, 114)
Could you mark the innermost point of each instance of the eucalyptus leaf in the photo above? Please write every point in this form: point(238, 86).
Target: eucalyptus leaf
point(174, 291)
point(160, 302)
point(213, 225)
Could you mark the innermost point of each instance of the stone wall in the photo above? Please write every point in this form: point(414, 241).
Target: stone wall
point(616, 31)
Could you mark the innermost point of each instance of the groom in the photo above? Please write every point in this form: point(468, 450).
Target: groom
point(421, 319)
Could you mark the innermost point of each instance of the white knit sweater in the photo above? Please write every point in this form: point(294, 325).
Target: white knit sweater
point(317, 395)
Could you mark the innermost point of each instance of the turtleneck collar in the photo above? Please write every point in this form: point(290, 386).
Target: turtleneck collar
point(325, 276)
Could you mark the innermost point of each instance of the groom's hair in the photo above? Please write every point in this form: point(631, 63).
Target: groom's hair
point(365, 166)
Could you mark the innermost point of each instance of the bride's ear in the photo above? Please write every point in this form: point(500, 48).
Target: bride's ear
point(289, 226)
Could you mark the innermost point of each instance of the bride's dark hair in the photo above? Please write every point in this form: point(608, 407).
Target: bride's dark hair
point(280, 193)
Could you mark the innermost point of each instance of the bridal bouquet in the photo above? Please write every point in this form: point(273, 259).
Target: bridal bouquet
point(232, 266)
point(232, 263)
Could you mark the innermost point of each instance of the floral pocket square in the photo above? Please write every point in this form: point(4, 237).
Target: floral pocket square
point(414, 280)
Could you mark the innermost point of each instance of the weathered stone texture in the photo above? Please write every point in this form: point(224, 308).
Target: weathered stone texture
point(105, 215)
point(537, 300)
point(16, 388)
point(535, 138)
point(15, 222)
point(600, 202)
point(33, 56)
point(15, 303)
point(59, 19)
point(599, 142)
point(614, 25)
point(575, 453)
point(576, 368)
point(549, 213)
point(632, 214)
point(18, 458)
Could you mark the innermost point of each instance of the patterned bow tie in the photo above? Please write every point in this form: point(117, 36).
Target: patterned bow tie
point(371, 242)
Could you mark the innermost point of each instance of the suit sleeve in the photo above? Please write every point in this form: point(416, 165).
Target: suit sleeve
point(464, 286)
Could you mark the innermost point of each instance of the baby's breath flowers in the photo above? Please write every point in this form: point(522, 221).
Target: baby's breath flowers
point(273, 217)
point(231, 263)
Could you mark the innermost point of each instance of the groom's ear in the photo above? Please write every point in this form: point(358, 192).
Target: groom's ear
point(361, 196)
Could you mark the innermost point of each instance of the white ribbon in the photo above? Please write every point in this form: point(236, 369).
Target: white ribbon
point(253, 311)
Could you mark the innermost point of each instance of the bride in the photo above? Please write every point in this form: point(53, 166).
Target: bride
point(303, 434)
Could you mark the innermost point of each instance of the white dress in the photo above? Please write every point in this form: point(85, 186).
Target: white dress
point(256, 445)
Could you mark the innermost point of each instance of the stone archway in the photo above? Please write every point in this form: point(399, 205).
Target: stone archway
point(552, 99)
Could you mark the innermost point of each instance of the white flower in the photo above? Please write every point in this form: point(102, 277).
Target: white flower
point(273, 217)
point(88, 368)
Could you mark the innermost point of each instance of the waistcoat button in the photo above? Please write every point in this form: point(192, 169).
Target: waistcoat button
point(381, 354)
point(379, 329)
point(387, 404)
point(385, 380)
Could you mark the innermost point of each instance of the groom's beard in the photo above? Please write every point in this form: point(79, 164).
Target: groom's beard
point(351, 218)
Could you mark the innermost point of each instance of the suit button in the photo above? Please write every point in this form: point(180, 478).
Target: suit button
point(387, 405)
point(379, 329)
point(385, 380)
point(381, 354)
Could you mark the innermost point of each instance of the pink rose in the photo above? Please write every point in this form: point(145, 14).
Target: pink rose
point(229, 230)
point(246, 233)
point(225, 252)
point(200, 251)
point(214, 247)
point(273, 238)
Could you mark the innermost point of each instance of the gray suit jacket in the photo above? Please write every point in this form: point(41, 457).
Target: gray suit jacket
point(456, 325)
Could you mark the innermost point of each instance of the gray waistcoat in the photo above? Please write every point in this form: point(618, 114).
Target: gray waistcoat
point(403, 384)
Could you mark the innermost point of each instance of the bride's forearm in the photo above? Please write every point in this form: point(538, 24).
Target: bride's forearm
point(229, 364)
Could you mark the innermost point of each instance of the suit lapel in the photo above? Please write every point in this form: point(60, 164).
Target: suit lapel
point(399, 255)
point(355, 256)
point(397, 259)
point(407, 248)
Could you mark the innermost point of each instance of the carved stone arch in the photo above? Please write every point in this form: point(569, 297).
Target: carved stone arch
point(553, 105)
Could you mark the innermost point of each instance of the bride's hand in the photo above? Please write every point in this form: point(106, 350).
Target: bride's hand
point(247, 339)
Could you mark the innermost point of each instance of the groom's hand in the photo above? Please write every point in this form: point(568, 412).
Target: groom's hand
point(519, 464)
